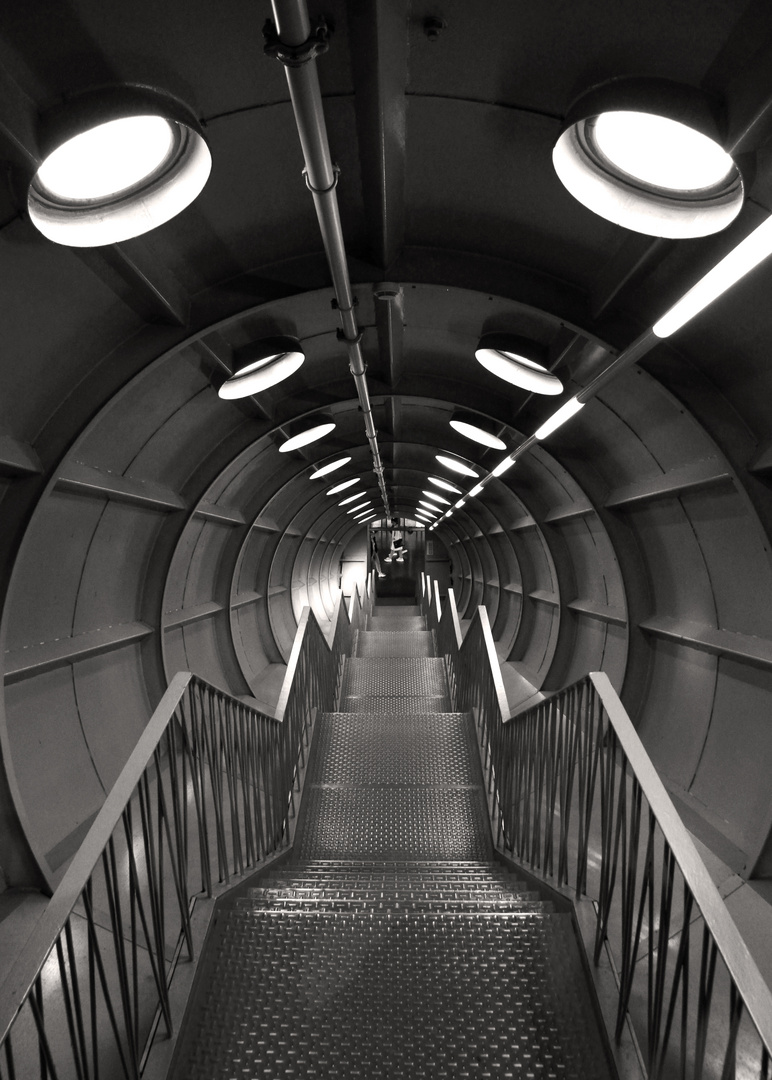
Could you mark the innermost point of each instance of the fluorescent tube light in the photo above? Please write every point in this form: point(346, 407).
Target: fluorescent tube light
point(740, 261)
point(565, 412)
point(476, 490)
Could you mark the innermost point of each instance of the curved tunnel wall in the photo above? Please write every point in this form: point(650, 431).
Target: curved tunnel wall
point(173, 534)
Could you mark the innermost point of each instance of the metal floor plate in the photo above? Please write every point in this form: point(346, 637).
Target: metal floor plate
point(391, 994)
point(403, 676)
point(401, 643)
point(418, 748)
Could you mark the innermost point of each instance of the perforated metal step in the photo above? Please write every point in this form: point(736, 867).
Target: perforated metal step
point(399, 643)
point(384, 623)
point(391, 994)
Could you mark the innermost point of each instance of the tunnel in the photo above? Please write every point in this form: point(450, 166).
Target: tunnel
point(152, 525)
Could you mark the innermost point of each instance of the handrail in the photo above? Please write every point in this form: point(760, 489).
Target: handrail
point(567, 782)
point(207, 793)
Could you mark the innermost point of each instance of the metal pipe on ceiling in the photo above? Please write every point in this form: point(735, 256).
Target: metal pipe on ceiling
point(296, 47)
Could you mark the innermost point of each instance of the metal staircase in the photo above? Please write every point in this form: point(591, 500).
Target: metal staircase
point(392, 944)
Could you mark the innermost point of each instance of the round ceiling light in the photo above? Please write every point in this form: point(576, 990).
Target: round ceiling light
point(309, 433)
point(331, 466)
point(436, 498)
point(470, 427)
point(343, 486)
point(116, 163)
point(262, 364)
point(455, 465)
point(428, 508)
point(647, 154)
point(445, 485)
point(514, 359)
point(350, 498)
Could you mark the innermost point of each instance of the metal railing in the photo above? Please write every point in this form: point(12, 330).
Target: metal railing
point(209, 792)
point(574, 796)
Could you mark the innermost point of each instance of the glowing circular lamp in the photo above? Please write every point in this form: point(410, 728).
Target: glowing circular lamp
point(436, 498)
point(518, 361)
point(455, 465)
point(445, 485)
point(647, 154)
point(331, 466)
point(470, 427)
point(343, 486)
point(115, 163)
point(307, 434)
point(262, 364)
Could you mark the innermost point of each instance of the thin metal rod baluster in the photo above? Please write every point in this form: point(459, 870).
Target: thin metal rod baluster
point(680, 976)
point(211, 749)
point(35, 1000)
point(765, 1063)
point(76, 997)
point(9, 1059)
point(133, 915)
point(225, 718)
point(240, 737)
point(177, 870)
point(704, 998)
point(68, 1009)
point(728, 1071)
point(119, 949)
point(632, 944)
point(196, 742)
point(177, 795)
point(156, 944)
point(658, 1002)
point(95, 958)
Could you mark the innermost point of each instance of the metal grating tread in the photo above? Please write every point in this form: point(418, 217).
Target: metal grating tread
point(404, 748)
point(399, 643)
point(396, 610)
point(390, 995)
point(393, 623)
point(400, 676)
point(391, 704)
point(394, 821)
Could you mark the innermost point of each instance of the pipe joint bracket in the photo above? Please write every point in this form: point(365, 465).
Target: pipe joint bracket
point(296, 55)
point(353, 341)
point(323, 190)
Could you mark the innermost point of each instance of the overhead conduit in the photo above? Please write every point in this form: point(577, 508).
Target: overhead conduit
point(293, 43)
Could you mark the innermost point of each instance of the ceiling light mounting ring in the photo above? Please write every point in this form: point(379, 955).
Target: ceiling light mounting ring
point(647, 154)
point(294, 56)
point(519, 361)
point(115, 162)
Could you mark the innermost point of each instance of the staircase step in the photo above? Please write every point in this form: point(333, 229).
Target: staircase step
point(392, 623)
point(399, 748)
point(453, 905)
point(399, 676)
point(396, 610)
point(393, 994)
point(399, 643)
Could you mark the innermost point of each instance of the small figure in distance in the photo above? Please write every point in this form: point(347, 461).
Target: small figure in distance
point(375, 558)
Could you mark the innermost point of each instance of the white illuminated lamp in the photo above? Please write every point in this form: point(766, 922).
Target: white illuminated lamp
point(262, 364)
point(518, 361)
point(115, 163)
point(331, 466)
point(455, 465)
point(756, 247)
point(436, 498)
point(308, 433)
point(431, 513)
point(430, 506)
point(647, 154)
point(476, 490)
point(343, 486)
point(350, 498)
point(470, 427)
point(460, 503)
point(360, 506)
point(565, 412)
point(445, 485)
point(362, 520)
point(503, 466)
point(363, 514)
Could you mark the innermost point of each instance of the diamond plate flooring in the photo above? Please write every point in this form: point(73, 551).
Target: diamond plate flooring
point(391, 945)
